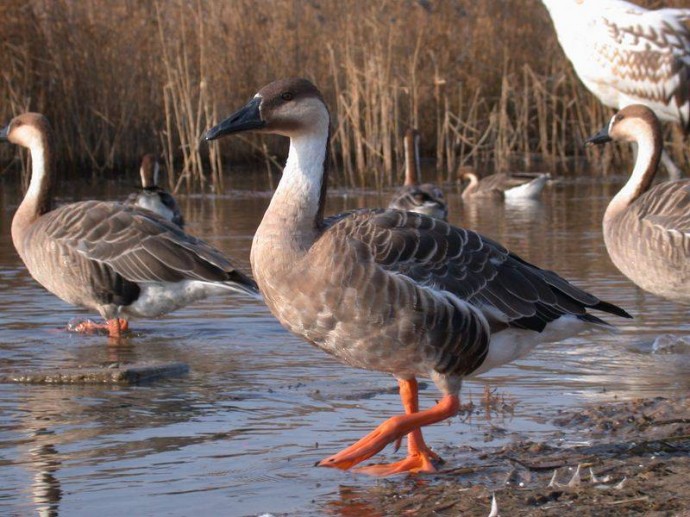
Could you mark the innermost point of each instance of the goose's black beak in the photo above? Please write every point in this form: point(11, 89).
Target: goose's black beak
point(3, 134)
point(245, 119)
point(600, 138)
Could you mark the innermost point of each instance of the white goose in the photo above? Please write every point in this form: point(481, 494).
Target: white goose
point(151, 196)
point(119, 260)
point(426, 198)
point(625, 54)
point(647, 228)
point(390, 290)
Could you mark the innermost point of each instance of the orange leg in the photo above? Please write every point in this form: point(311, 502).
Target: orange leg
point(419, 458)
point(115, 327)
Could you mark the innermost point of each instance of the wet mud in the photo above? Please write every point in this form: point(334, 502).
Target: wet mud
point(633, 459)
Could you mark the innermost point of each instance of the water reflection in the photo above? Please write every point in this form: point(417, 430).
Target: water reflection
point(239, 434)
point(46, 487)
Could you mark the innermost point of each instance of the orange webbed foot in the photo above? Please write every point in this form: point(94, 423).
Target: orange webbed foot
point(365, 448)
point(414, 464)
point(114, 327)
point(420, 458)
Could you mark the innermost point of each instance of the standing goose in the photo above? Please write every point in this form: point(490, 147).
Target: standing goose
point(389, 290)
point(502, 186)
point(625, 54)
point(152, 197)
point(119, 260)
point(426, 198)
point(647, 228)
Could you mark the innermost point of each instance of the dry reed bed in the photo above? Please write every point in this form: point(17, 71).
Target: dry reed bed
point(485, 82)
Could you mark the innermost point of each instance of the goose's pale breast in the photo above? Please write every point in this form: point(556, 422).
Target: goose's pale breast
point(337, 298)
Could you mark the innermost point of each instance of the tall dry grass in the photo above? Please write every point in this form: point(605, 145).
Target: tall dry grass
point(485, 82)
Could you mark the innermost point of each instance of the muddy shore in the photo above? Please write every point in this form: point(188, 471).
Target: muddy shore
point(634, 460)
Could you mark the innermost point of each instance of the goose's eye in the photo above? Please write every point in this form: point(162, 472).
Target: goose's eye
point(287, 96)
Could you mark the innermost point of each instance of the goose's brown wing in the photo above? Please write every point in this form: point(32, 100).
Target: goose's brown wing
point(504, 287)
point(139, 245)
point(667, 206)
point(498, 182)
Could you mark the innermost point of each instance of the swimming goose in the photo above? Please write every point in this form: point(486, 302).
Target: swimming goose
point(503, 186)
point(625, 54)
point(389, 290)
point(122, 261)
point(426, 198)
point(647, 228)
point(151, 196)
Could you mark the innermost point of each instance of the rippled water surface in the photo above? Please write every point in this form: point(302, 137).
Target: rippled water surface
point(240, 433)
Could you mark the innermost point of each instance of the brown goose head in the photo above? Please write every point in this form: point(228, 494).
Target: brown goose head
point(285, 107)
point(631, 124)
point(634, 123)
point(33, 131)
point(27, 130)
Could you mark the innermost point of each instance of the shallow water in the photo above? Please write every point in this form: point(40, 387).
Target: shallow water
point(240, 433)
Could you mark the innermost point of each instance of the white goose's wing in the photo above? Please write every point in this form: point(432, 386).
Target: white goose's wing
point(627, 55)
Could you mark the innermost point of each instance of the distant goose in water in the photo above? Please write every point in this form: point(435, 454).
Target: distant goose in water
point(503, 186)
point(426, 198)
point(151, 196)
point(625, 54)
point(119, 260)
point(389, 290)
point(647, 228)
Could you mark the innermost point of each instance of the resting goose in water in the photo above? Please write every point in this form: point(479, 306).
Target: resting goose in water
point(388, 290)
point(122, 261)
point(647, 228)
point(151, 196)
point(502, 186)
point(426, 198)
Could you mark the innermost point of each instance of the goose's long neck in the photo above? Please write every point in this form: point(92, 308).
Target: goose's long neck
point(294, 217)
point(473, 183)
point(38, 198)
point(411, 161)
point(649, 146)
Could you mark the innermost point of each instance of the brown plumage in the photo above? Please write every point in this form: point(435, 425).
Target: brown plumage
point(389, 290)
point(119, 260)
point(647, 228)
